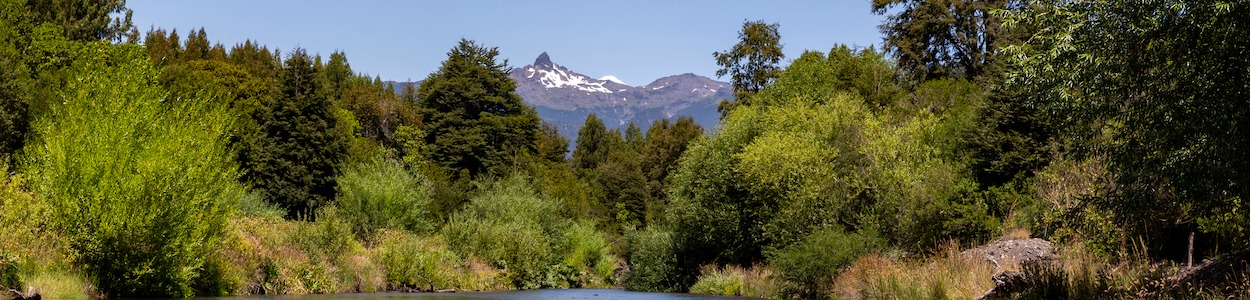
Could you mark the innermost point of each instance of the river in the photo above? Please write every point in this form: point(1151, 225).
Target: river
point(570, 294)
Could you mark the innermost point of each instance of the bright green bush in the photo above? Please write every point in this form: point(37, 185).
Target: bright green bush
point(586, 250)
point(828, 145)
point(139, 184)
point(809, 265)
point(381, 194)
point(513, 229)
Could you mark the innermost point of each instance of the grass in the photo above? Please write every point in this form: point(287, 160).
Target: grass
point(756, 282)
point(946, 275)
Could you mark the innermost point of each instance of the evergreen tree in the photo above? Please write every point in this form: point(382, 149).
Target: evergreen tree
point(294, 159)
point(161, 49)
point(552, 146)
point(593, 144)
point(475, 121)
point(633, 136)
point(197, 46)
point(752, 63)
point(934, 39)
point(337, 73)
point(86, 20)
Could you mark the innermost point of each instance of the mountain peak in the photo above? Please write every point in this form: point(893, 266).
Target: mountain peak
point(544, 60)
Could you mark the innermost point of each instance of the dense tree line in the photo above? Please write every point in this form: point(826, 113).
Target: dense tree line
point(1104, 125)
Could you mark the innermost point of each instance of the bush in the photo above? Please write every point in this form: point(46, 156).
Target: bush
point(586, 251)
point(425, 264)
point(653, 265)
point(381, 194)
point(513, 229)
point(809, 266)
point(140, 185)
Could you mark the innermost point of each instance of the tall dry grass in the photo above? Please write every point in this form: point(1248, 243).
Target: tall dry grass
point(756, 282)
point(946, 275)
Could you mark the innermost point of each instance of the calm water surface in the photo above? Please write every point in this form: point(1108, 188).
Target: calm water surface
point(571, 294)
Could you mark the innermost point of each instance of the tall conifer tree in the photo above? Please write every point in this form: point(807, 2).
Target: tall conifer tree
point(476, 123)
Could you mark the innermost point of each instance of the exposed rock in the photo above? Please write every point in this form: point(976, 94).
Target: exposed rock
point(1015, 252)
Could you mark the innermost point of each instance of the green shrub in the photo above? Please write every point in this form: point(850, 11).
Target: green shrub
point(411, 263)
point(140, 185)
point(653, 264)
point(587, 252)
point(809, 265)
point(425, 263)
point(381, 194)
point(9, 277)
point(513, 229)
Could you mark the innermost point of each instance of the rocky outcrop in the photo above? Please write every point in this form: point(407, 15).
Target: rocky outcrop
point(1013, 254)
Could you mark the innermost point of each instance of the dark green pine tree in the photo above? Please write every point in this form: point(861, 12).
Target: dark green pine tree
point(633, 136)
point(475, 121)
point(294, 158)
point(593, 144)
point(552, 146)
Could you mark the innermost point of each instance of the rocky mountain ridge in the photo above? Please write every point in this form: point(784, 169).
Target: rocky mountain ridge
point(564, 97)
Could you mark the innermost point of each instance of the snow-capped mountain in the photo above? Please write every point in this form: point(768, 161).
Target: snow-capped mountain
point(565, 97)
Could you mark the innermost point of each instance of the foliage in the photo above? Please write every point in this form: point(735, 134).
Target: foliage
point(425, 264)
point(594, 142)
point(381, 194)
point(513, 229)
point(15, 80)
point(139, 185)
point(87, 21)
point(812, 153)
point(624, 187)
point(807, 265)
point(663, 145)
point(1159, 88)
point(653, 263)
point(294, 157)
point(587, 251)
point(751, 63)
point(551, 146)
point(944, 39)
point(474, 119)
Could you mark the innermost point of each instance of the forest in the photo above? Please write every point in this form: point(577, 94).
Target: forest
point(1114, 133)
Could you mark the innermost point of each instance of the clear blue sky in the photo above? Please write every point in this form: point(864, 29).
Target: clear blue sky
point(637, 41)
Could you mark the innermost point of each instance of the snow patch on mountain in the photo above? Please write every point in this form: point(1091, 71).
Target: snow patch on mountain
point(612, 79)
